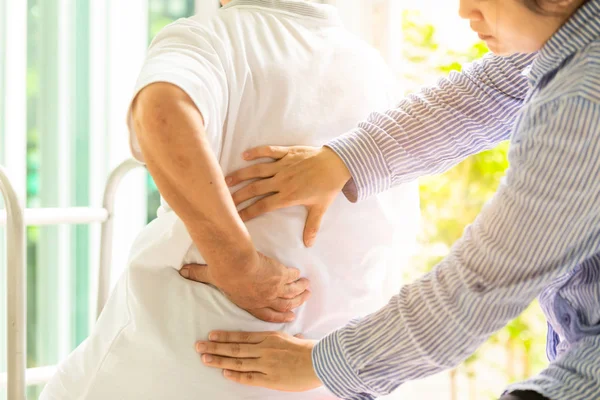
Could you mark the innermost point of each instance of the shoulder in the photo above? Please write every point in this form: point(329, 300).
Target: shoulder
point(579, 79)
point(571, 99)
point(214, 27)
point(183, 31)
point(195, 40)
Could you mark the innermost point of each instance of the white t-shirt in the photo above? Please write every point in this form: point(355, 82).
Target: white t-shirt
point(261, 72)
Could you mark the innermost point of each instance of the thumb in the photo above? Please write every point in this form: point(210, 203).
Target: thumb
point(313, 223)
point(195, 272)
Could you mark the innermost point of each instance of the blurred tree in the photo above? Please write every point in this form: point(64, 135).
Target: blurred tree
point(452, 200)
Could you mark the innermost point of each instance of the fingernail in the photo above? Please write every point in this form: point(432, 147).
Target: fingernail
point(246, 155)
point(200, 347)
point(213, 337)
point(290, 319)
point(229, 180)
point(185, 272)
point(207, 358)
point(227, 373)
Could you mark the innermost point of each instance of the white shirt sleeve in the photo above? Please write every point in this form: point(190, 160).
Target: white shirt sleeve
point(184, 55)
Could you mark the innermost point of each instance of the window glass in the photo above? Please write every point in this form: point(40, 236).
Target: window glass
point(58, 265)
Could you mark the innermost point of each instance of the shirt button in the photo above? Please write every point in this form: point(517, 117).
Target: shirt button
point(566, 319)
point(479, 287)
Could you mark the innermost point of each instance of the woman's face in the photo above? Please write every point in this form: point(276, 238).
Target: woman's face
point(508, 26)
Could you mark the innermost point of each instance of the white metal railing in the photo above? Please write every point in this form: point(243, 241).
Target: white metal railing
point(16, 218)
point(56, 216)
point(15, 289)
point(33, 376)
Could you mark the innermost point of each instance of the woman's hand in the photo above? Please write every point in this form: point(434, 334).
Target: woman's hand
point(308, 176)
point(267, 359)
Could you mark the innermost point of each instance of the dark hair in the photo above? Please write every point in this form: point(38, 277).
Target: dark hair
point(538, 6)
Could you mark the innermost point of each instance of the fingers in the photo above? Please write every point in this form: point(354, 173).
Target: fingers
point(239, 337)
point(293, 274)
point(295, 289)
point(286, 305)
point(228, 349)
point(280, 310)
point(263, 206)
point(313, 224)
point(233, 364)
point(273, 316)
point(275, 152)
point(195, 272)
point(247, 378)
point(253, 190)
point(263, 170)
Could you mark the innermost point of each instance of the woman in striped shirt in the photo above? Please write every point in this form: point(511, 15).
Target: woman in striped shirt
point(538, 237)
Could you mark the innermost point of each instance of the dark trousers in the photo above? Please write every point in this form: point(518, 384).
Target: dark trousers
point(523, 396)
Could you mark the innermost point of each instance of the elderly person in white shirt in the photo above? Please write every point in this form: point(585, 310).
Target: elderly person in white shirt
point(261, 72)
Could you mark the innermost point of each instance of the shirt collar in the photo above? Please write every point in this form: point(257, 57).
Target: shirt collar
point(298, 7)
point(579, 31)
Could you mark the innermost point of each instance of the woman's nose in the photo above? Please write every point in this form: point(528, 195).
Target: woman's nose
point(468, 10)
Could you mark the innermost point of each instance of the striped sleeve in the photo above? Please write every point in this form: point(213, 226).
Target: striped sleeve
point(543, 221)
point(431, 131)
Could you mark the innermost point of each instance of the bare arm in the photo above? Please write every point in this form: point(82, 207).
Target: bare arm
point(171, 134)
point(170, 130)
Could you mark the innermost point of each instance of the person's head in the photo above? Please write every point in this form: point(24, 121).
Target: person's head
point(517, 26)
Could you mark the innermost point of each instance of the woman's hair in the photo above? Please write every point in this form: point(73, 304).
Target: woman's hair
point(538, 6)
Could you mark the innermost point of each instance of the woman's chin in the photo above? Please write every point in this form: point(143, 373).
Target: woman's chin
point(497, 48)
point(501, 49)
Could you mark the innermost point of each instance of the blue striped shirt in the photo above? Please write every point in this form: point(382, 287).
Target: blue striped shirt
point(538, 236)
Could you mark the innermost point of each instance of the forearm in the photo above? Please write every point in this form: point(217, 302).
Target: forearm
point(535, 229)
point(170, 131)
point(441, 319)
point(429, 329)
point(431, 131)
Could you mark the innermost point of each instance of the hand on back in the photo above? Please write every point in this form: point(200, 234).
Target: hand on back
point(299, 175)
point(264, 287)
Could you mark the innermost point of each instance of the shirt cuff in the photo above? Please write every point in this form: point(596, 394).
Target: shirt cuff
point(333, 370)
point(367, 164)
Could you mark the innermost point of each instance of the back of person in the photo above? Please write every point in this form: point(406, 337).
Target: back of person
point(261, 72)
